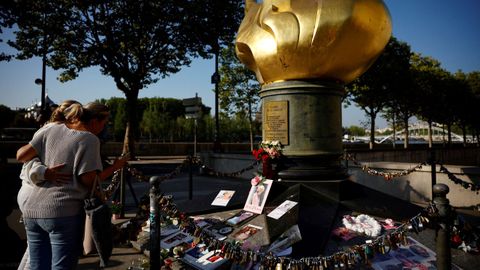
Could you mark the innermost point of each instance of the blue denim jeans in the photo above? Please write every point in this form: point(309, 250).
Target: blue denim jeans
point(54, 243)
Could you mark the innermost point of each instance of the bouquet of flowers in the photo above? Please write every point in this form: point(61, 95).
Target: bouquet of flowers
point(268, 149)
point(116, 207)
point(257, 180)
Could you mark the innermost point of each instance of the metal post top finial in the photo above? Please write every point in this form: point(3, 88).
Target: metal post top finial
point(440, 189)
point(154, 180)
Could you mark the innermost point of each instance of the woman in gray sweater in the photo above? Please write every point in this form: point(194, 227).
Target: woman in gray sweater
point(53, 214)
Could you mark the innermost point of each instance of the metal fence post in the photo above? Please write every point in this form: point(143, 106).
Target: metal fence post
point(345, 155)
point(190, 177)
point(434, 170)
point(444, 257)
point(122, 193)
point(154, 223)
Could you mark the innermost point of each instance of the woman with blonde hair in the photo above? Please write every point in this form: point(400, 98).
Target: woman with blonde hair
point(53, 214)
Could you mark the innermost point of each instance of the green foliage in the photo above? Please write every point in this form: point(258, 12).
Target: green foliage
point(373, 90)
point(120, 121)
point(6, 22)
point(238, 95)
point(238, 85)
point(212, 24)
point(429, 79)
point(355, 131)
point(473, 80)
point(134, 42)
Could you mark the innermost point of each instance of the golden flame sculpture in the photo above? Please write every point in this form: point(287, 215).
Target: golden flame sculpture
point(312, 39)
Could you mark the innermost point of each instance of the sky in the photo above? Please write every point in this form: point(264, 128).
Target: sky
point(446, 30)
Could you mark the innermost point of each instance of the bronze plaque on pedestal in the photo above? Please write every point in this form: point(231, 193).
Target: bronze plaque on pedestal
point(275, 121)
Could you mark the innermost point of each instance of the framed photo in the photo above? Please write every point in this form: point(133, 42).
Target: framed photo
point(246, 232)
point(175, 240)
point(223, 197)
point(240, 217)
point(258, 196)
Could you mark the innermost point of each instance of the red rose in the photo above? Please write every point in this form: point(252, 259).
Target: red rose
point(456, 240)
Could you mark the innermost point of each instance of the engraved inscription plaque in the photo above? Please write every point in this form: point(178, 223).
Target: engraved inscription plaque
point(276, 121)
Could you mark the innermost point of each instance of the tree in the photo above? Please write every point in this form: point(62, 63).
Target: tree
point(473, 80)
point(428, 79)
point(219, 20)
point(120, 120)
point(150, 122)
point(464, 103)
point(355, 131)
point(6, 21)
point(371, 91)
point(134, 42)
point(238, 88)
point(403, 101)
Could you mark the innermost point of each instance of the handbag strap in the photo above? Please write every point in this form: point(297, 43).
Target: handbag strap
point(96, 183)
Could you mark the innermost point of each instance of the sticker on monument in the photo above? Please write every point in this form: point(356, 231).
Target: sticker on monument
point(282, 209)
point(246, 232)
point(241, 217)
point(223, 197)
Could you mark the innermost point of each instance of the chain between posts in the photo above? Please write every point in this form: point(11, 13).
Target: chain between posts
point(349, 257)
point(348, 157)
point(386, 175)
point(137, 174)
point(391, 175)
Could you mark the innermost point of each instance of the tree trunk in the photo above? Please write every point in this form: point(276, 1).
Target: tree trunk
point(464, 131)
point(430, 138)
point(126, 140)
point(405, 143)
point(129, 141)
point(372, 129)
point(394, 127)
point(449, 133)
point(443, 135)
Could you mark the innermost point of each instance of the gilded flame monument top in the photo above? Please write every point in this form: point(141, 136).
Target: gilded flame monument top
point(334, 40)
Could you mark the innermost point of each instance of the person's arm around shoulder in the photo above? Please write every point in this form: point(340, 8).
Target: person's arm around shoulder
point(26, 153)
point(36, 172)
point(31, 150)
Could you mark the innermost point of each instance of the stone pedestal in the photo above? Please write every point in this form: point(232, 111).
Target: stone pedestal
point(306, 117)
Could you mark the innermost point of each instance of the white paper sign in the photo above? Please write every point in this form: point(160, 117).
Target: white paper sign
point(282, 209)
point(223, 197)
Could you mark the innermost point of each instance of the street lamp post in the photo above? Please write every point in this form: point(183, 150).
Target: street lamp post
point(42, 83)
point(216, 80)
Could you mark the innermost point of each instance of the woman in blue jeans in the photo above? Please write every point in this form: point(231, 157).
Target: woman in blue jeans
point(53, 214)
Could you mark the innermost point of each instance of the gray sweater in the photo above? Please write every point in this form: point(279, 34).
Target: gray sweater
point(80, 151)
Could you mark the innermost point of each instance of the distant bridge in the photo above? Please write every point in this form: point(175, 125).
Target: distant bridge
point(419, 133)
